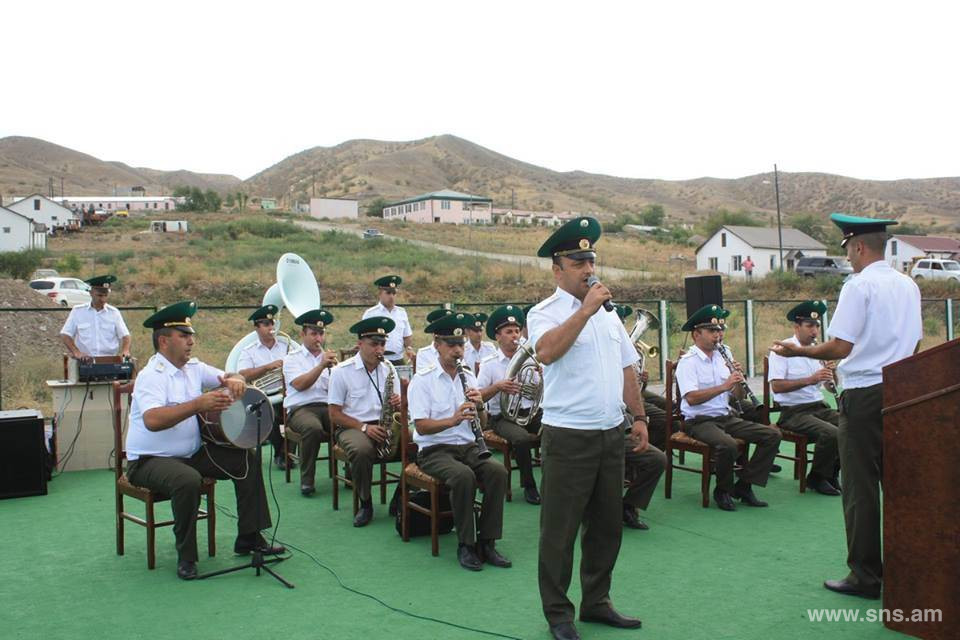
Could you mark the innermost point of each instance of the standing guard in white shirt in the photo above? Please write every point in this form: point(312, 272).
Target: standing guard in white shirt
point(796, 384)
point(97, 328)
point(356, 401)
point(706, 386)
point(475, 349)
point(877, 322)
point(399, 342)
point(307, 374)
point(504, 326)
point(165, 452)
point(442, 406)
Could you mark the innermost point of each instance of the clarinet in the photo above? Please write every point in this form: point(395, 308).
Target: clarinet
point(746, 387)
point(830, 385)
point(475, 420)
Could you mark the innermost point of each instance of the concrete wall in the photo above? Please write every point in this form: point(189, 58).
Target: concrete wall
point(334, 208)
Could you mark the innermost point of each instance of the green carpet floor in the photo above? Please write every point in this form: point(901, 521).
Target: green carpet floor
point(698, 573)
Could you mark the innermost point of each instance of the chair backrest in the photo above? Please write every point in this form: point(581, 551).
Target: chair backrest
point(120, 389)
point(408, 447)
point(768, 403)
point(671, 393)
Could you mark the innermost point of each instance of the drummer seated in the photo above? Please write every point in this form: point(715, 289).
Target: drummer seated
point(164, 450)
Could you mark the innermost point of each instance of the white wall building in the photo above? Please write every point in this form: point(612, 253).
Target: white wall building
point(442, 206)
point(121, 203)
point(532, 218)
point(47, 212)
point(902, 250)
point(19, 232)
point(334, 208)
point(727, 249)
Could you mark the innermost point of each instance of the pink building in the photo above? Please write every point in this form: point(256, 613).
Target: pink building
point(118, 203)
point(442, 206)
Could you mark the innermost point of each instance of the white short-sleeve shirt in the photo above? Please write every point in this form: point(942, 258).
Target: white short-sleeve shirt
point(781, 368)
point(697, 371)
point(297, 363)
point(97, 333)
point(428, 356)
point(434, 395)
point(161, 384)
point(583, 389)
point(400, 331)
point(472, 356)
point(359, 392)
point(879, 312)
point(258, 354)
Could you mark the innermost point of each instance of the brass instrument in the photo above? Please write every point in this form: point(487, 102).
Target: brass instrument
point(271, 383)
point(483, 452)
point(524, 368)
point(645, 321)
point(722, 348)
point(829, 385)
point(389, 419)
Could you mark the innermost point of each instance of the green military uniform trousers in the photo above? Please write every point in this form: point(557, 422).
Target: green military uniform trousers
point(522, 440)
point(818, 422)
point(720, 431)
point(180, 478)
point(649, 397)
point(582, 484)
point(361, 451)
point(643, 471)
point(312, 423)
point(861, 458)
point(462, 470)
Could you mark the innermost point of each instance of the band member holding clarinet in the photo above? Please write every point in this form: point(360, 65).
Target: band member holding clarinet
point(708, 377)
point(588, 378)
point(164, 450)
point(796, 384)
point(443, 401)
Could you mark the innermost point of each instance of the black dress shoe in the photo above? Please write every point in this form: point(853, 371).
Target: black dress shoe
point(744, 492)
point(850, 589)
point(531, 495)
point(490, 555)
point(468, 557)
point(307, 488)
point(822, 486)
point(611, 617)
point(249, 542)
point(835, 481)
point(631, 519)
point(723, 500)
point(364, 515)
point(186, 569)
point(775, 468)
point(564, 631)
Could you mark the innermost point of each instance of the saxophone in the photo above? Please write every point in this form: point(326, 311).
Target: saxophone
point(389, 419)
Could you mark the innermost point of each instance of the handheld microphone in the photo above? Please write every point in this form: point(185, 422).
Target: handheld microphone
point(607, 304)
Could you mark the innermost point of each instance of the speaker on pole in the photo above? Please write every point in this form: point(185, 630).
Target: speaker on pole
point(701, 291)
point(23, 470)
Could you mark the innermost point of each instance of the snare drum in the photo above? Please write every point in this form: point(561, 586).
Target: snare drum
point(237, 425)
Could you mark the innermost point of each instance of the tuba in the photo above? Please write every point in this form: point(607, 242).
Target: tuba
point(523, 368)
point(645, 321)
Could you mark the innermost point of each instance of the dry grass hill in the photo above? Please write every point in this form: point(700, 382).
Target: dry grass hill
point(27, 164)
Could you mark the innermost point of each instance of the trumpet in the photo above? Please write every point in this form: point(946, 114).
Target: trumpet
point(829, 385)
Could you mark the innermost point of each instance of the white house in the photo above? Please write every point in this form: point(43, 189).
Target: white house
point(442, 206)
point(334, 208)
point(122, 203)
point(902, 251)
point(539, 218)
point(168, 226)
point(45, 211)
point(727, 249)
point(19, 232)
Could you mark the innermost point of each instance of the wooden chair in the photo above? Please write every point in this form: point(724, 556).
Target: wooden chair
point(800, 441)
point(294, 437)
point(149, 498)
point(498, 443)
point(677, 440)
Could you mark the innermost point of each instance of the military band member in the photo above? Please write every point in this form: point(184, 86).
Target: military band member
point(654, 405)
point(796, 384)
point(877, 322)
point(706, 386)
point(165, 452)
point(588, 378)
point(504, 326)
point(428, 355)
point(526, 314)
point(261, 357)
point(475, 348)
point(441, 411)
point(357, 388)
point(399, 342)
point(306, 371)
point(96, 328)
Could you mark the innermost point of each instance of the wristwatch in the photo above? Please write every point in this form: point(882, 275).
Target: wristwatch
point(363, 429)
point(644, 418)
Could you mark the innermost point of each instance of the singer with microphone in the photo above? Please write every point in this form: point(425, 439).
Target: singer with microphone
point(588, 379)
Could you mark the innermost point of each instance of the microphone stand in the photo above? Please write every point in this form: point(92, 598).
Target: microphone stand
point(257, 560)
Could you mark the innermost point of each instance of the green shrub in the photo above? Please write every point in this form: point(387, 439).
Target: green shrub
point(21, 264)
point(257, 227)
point(69, 264)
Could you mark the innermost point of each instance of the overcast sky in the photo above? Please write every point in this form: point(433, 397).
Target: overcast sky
point(676, 90)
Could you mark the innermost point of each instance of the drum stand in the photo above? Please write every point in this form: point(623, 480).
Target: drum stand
point(256, 561)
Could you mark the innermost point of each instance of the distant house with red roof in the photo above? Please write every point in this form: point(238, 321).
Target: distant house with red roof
point(902, 250)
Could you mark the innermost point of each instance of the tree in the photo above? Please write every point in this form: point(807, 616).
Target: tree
point(228, 201)
point(722, 218)
point(652, 215)
point(213, 201)
point(375, 208)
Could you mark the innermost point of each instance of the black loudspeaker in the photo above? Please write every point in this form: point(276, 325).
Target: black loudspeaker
point(701, 291)
point(23, 455)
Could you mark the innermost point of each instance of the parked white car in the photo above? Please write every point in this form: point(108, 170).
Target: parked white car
point(936, 270)
point(372, 233)
point(67, 292)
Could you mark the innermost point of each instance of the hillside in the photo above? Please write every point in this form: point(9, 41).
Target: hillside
point(27, 164)
point(367, 169)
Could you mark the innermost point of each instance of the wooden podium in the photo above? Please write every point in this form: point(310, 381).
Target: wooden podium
point(921, 490)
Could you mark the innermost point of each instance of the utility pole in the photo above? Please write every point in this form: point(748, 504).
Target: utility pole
point(50, 181)
point(776, 190)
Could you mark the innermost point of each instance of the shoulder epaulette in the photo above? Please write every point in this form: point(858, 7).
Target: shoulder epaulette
point(426, 370)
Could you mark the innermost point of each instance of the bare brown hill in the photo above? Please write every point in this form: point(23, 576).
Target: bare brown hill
point(28, 164)
point(367, 169)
